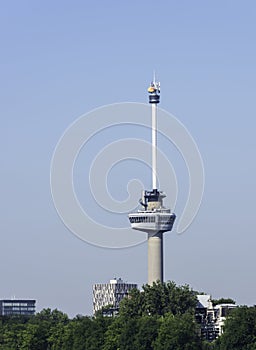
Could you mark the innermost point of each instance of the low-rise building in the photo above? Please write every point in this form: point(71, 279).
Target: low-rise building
point(221, 313)
point(211, 317)
point(11, 307)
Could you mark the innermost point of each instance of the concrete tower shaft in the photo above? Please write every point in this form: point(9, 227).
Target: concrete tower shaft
point(155, 258)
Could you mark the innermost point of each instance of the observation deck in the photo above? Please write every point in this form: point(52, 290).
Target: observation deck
point(154, 218)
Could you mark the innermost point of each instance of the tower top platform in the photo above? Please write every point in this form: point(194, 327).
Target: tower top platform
point(154, 92)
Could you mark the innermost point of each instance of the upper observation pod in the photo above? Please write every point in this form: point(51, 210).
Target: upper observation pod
point(154, 92)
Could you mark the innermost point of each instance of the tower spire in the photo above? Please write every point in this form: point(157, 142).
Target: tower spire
point(154, 99)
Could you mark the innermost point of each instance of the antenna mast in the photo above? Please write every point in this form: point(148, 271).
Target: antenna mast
point(154, 99)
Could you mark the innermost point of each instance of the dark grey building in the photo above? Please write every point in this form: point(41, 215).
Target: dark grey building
point(10, 307)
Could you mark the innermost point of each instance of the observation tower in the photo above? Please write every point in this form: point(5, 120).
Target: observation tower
point(153, 218)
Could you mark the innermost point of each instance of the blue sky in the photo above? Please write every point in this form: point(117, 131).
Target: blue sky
point(60, 60)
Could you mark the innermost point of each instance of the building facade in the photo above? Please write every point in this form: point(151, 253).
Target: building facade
point(110, 294)
point(11, 307)
point(211, 318)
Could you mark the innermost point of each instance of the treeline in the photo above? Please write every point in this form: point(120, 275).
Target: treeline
point(160, 317)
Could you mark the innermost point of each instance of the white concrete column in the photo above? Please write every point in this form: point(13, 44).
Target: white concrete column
point(155, 258)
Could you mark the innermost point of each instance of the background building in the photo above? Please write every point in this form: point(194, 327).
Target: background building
point(110, 294)
point(211, 318)
point(10, 307)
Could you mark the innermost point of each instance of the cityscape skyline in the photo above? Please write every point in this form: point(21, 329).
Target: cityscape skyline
point(61, 60)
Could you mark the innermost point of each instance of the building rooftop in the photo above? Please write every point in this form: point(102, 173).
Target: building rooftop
point(204, 301)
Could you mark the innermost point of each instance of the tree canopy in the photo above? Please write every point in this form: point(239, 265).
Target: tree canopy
point(160, 317)
point(159, 299)
point(240, 330)
point(223, 301)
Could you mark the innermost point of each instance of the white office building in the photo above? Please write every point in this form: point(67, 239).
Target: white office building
point(110, 294)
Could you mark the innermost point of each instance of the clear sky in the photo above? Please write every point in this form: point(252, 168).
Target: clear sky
point(61, 59)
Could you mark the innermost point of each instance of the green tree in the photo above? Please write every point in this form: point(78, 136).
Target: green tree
point(159, 299)
point(28, 337)
point(223, 301)
point(57, 337)
point(1, 331)
point(63, 338)
point(178, 333)
point(113, 334)
point(12, 333)
point(240, 330)
point(52, 316)
point(82, 328)
point(132, 306)
point(168, 297)
point(96, 339)
point(128, 334)
point(147, 329)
